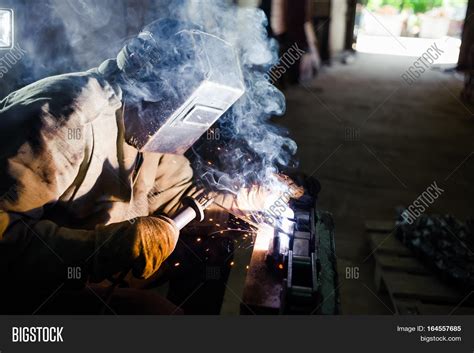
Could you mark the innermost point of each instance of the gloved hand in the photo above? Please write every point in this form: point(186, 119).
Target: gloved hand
point(261, 199)
point(142, 246)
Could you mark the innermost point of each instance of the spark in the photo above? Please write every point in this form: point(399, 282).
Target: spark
point(177, 264)
point(248, 232)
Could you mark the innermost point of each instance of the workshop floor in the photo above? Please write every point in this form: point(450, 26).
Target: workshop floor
point(374, 143)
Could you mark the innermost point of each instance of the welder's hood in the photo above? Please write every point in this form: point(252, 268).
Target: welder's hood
point(178, 81)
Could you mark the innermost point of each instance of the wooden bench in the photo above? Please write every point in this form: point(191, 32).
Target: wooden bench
point(413, 288)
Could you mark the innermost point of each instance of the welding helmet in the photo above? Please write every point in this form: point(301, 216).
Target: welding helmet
point(177, 80)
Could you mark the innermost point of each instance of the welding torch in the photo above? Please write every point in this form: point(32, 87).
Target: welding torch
point(193, 209)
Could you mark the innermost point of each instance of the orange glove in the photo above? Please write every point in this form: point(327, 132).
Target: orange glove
point(141, 246)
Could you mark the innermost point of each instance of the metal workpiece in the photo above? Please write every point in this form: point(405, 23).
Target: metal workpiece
point(300, 278)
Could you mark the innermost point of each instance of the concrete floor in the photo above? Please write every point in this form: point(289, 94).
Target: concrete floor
point(374, 143)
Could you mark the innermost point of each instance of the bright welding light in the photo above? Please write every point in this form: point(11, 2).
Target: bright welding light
point(264, 236)
point(286, 224)
point(284, 243)
point(282, 219)
point(6, 28)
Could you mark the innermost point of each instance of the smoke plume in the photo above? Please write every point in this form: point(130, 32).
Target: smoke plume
point(250, 147)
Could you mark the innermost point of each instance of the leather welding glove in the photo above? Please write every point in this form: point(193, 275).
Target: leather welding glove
point(249, 203)
point(48, 251)
point(142, 246)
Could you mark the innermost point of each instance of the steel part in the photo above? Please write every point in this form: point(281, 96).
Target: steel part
point(300, 294)
point(295, 284)
point(431, 239)
point(302, 235)
point(286, 225)
point(301, 247)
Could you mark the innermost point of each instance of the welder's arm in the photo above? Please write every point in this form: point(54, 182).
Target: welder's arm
point(174, 180)
point(43, 165)
point(249, 203)
point(245, 205)
point(43, 251)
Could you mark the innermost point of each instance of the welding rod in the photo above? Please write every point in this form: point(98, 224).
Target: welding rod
point(193, 209)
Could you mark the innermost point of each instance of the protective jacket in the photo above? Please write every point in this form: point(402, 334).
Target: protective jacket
point(74, 192)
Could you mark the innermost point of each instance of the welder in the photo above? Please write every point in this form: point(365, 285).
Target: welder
point(92, 171)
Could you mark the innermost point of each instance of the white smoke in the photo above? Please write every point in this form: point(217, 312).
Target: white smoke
point(256, 147)
point(248, 122)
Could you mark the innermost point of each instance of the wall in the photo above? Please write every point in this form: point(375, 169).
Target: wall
point(337, 29)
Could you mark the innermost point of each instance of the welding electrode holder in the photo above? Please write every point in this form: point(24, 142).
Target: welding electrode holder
point(193, 209)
